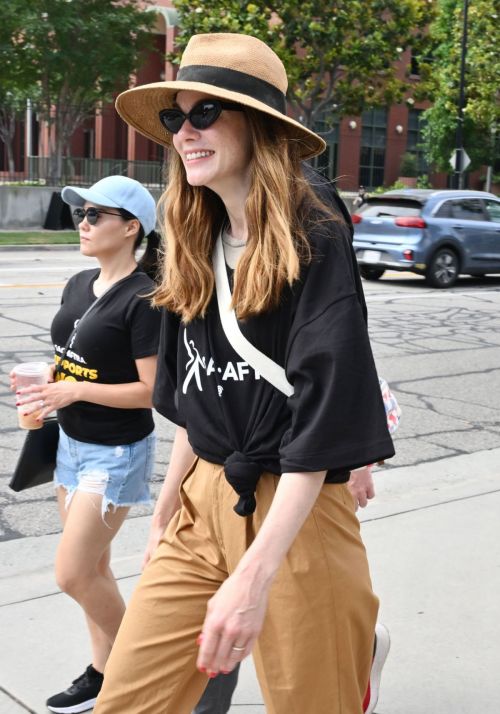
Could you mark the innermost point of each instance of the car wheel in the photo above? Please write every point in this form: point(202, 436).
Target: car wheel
point(443, 269)
point(371, 273)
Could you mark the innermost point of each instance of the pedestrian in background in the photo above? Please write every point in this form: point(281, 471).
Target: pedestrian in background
point(361, 198)
point(102, 395)
point(262, 549)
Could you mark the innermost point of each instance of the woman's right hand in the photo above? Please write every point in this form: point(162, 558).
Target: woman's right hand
point(155, 535)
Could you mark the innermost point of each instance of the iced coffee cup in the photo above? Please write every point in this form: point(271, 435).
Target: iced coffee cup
point(28, 373)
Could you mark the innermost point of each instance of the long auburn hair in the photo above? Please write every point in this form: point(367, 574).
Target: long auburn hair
point(278, 208)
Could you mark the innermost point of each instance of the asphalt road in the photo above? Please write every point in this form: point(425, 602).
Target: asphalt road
point(439, 350)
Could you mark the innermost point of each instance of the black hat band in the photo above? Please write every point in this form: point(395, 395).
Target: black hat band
point(235, 81)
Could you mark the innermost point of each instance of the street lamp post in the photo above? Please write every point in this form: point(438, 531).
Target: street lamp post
point(459, 175)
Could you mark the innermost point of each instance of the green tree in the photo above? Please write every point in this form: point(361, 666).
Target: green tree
point(441, 80)
point(16, 78)
point(80, 52)
point(339, 55)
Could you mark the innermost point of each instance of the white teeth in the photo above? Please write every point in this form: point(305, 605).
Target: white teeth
point(198, 155)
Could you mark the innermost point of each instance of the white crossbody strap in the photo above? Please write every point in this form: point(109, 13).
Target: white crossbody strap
point(261, 363)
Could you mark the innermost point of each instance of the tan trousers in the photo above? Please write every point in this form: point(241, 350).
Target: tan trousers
point(314, 652)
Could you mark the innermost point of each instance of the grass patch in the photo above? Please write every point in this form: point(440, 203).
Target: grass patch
point(38, 237)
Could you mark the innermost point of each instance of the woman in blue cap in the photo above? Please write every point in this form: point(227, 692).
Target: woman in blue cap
point(102, 392)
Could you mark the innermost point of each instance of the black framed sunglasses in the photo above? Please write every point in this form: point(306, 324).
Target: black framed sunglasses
point(91, 214)
point(201, 116)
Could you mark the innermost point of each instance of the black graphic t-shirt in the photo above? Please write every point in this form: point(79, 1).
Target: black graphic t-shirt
point(335, 419)
point(121, 328)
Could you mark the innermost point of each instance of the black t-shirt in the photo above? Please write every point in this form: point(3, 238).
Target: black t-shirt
point(335, 419)
point(121, 328)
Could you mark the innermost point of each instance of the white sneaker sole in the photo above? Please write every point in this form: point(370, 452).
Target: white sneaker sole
point(75, 709)
point(381, 651)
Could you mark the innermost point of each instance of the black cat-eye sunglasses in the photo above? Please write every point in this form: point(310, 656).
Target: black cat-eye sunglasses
point(201, 116)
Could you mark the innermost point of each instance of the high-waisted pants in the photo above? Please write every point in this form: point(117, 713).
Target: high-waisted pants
point(314, 652)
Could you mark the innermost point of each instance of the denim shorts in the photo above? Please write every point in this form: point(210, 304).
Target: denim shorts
point(120, 474)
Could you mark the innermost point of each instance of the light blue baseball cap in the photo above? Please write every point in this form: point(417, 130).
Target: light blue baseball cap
point(117, 192)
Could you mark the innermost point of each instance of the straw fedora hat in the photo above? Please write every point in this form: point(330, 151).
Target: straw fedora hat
point(239, 68)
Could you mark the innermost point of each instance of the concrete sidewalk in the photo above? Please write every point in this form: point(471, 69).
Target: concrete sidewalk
point(433, 539)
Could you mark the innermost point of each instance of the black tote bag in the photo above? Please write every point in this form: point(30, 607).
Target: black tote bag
point(37, 460)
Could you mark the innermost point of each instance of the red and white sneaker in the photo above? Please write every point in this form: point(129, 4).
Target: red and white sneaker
point(381, 650)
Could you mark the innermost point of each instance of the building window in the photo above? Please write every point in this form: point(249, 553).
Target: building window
point(416, 124)
point(88, 143)
point(372, 154)
point(328, 128)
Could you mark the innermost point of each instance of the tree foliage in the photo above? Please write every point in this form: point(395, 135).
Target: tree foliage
point(339, 55)
point(16, 77)
point(441, 81)
point(79, 53)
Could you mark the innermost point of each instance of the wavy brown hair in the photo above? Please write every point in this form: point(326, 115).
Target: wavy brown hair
point(278, 208)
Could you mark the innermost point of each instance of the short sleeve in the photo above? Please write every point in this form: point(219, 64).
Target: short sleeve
point(338, 417)
point(165, 398)
point(144, 326)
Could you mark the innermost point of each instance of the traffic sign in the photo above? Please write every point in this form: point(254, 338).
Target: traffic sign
point(465, 160)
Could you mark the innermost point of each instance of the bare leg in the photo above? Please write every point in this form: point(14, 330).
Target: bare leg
point(82, 568)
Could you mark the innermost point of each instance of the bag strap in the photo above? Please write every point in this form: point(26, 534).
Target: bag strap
point(77, 326)
point(261, 363)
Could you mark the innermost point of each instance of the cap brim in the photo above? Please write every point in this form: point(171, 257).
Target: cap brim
point(76, 196)
point(140, 108)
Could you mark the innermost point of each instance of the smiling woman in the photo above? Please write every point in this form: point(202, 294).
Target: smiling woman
point(254, 543)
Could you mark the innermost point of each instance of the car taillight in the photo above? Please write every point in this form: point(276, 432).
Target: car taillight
point(410, 222)
point(408, 254)
point(356, 218)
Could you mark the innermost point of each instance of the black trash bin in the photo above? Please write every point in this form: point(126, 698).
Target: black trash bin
point(58, 216)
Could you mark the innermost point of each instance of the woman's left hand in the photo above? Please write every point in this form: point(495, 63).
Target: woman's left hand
point(48, 397)
point(361, 486)
point(233, 622)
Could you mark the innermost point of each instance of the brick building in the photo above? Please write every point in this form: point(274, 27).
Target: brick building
point(364, 150)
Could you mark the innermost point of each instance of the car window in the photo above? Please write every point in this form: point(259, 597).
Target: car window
point(390, 208)
point(468, 209)
point(493, 210)
point(444, 211)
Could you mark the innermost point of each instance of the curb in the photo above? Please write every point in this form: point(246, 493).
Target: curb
point(41, 246)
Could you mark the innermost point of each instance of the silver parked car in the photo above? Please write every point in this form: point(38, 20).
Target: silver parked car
point(436, 233)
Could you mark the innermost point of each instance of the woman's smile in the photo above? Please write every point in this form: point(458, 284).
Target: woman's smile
point(200, 154)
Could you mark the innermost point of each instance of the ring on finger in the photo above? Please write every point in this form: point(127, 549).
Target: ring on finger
point(238, 649)
point(42, 403)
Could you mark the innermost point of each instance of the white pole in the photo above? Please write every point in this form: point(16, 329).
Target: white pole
point(29, 128)
point(489, 174)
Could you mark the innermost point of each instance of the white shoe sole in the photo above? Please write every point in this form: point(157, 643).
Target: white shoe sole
point(75, 709)
point(382, 648)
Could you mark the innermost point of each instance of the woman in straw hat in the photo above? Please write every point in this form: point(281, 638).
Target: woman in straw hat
point(254, 543)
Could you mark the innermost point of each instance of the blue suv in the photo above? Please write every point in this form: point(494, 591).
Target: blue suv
point(435, 233)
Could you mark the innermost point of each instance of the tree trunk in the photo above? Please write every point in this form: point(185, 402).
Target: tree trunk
point(7, 130)
point(10, 157)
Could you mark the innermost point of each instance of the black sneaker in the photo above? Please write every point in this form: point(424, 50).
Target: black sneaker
point(80, 697)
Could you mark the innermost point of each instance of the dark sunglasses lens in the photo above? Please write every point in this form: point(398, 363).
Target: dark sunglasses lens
point(92, 216)
point(79, 215)
point(172, 120)
point(204, 114)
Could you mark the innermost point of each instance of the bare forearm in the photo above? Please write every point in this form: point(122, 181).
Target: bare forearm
point(132, 395)
point(181, 458)
point(292, 503)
